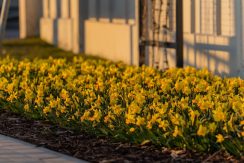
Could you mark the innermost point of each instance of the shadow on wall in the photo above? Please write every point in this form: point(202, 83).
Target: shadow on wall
point(112, 10)
point(220, 59)
point(55, 32)
point(223, 55)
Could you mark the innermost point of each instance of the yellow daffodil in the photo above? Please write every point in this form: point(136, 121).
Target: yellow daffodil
point(219, 115)
point(220, 138)
point(202, 131)
point(132, 129)
point(177, 132)
point(212, 127)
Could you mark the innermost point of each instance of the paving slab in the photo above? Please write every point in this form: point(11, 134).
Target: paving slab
point(16, 151)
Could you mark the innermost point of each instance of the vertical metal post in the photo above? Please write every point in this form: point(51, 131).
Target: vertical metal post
point(179, 34)
point(4, 17)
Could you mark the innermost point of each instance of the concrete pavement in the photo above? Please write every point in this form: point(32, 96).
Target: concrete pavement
point(16, 151)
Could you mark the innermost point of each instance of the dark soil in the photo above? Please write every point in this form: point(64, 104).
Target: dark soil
point(93, 149)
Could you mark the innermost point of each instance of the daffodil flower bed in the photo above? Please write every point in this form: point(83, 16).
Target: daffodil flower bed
point(180, 108)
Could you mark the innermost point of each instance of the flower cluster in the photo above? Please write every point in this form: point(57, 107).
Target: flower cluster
point(185, 108)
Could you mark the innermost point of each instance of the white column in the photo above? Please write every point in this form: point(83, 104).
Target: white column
point(76, 29)
point(48, 23)
point(64, 26)
point(55, 9)
point(30, 12)
point(79, 13)
point(46, 8)
point(65, 8)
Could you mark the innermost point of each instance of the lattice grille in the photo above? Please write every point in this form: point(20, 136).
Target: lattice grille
point(157, 24)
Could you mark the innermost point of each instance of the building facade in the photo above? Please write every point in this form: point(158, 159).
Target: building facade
point(115, 29)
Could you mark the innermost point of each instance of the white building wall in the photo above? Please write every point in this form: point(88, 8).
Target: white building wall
point(65, 26)
point(213, 31)
point(111, 30)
